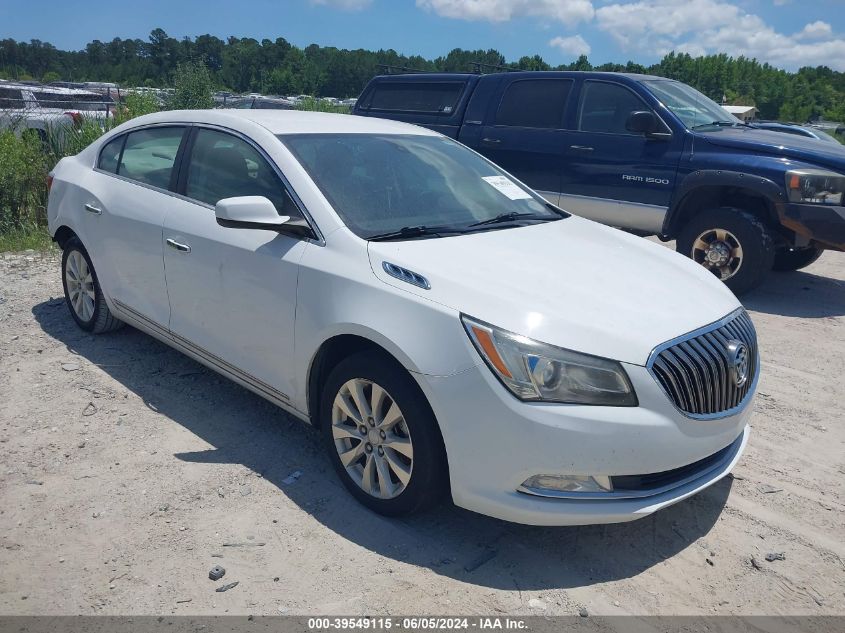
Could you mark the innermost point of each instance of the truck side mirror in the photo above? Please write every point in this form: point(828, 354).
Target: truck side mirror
point(642, 122)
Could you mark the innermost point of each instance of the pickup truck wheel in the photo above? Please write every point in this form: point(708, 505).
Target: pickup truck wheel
point(796, 258)
point(382, 436)
point(734, 245)
point(83, 295)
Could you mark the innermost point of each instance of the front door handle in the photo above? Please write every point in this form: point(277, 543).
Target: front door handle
point(182, 248)
point(491, 140)
point(581, 148)
point(90, 208)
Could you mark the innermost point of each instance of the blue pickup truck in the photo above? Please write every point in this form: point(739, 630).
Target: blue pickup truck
point(646, 154)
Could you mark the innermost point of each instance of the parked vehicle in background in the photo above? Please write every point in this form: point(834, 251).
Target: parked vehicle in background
point(443, 325)
point(642, 153)
point(259, 103)
point(45, 109)
point(798, 130)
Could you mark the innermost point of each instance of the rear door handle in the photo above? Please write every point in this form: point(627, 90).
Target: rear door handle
point(90, 208)
point(182, 248)
point(491, 140)
point(581, 148)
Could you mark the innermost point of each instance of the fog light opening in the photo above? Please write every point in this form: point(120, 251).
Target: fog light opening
point(569, 483)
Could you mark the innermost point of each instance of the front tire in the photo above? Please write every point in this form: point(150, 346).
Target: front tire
point(734, 245)
point(787, 259)
point(83, 294)
point(381, 435)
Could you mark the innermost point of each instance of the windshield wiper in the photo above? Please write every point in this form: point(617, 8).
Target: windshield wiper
point(410, 232)
point(721, 124)
point(510, 217)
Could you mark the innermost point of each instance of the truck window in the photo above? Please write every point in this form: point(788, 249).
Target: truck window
point(431, 97)
point(537, 103)
point(10, 98)
point(605, 107)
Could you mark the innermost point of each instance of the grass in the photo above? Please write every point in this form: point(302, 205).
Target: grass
point(27, 237)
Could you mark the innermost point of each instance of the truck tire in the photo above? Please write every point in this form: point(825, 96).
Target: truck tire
point(733, 244)
point(796, 258)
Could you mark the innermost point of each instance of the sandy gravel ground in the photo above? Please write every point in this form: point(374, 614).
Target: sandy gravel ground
point(127, 471)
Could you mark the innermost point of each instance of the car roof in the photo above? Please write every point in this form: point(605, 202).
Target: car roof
point(522, 74)
point(286, 121)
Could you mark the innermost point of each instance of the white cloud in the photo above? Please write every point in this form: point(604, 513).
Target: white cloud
point(346, 5)
point(575, 45)
point(569, 12)
point(816, 30)
point(699, 27)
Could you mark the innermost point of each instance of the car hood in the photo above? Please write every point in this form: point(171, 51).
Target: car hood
point(802, 148)
point(571, 283)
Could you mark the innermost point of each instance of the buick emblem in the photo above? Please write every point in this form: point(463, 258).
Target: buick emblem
point(738, 357)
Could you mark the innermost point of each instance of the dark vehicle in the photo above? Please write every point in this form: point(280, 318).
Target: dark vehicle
point(646, 154)
point(794, 128)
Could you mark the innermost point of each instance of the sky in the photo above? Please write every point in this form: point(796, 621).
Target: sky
point(786, 33)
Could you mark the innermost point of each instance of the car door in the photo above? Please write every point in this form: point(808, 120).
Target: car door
point(525, 135)
point(612, 175)
point(126, 202)
point(233, 290)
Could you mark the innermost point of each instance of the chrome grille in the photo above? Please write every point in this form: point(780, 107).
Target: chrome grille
point(697, 372)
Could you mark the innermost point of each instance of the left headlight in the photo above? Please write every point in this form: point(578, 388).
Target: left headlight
point(536, 371)
point(815, 186)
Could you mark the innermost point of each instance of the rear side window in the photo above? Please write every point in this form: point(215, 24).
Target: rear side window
point(149, 155)
point(110, 154)
point(225, 166)
point(605, 107)
point(431, 97)
point(537, 103)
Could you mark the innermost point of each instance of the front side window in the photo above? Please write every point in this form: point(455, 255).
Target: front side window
point(417, 96)
point(110, 154)
point(149, 155)
point(537, 103)
point(225, 166)
point(379, 183)
point(605, 107)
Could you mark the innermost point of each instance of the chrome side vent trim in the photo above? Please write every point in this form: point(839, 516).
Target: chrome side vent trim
point(408, 276)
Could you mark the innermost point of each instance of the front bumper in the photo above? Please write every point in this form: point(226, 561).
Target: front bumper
point(495, 442)
point(820, 223)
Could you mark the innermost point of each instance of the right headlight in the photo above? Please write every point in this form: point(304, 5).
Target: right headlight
point(532, 370)
point(815, 186)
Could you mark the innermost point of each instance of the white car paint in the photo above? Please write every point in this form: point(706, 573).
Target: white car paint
point(257, 306)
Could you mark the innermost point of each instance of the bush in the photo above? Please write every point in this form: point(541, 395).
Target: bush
point(23, 184)
point(192, 87)
point(136, 104)
point(317, 105)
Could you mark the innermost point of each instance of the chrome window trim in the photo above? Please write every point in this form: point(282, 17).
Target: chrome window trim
point(691, 335)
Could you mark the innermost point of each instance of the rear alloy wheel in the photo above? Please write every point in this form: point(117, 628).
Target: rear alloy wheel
point(381, 434)
point(83, 295)
point(796, 258)
point(732, 244)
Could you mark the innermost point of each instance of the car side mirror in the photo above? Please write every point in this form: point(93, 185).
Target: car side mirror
point(249, 212)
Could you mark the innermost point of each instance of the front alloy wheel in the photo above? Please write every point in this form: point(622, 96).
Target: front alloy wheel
point(372, 438)
point(381, 434)
point(719, 251)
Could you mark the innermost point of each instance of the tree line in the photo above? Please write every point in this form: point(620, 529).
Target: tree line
point(278, 67)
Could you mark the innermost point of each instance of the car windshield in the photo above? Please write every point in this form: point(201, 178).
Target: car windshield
point(689, 105)
point(380, 184)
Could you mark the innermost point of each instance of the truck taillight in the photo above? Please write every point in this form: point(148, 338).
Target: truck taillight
point(76, 116)
point(49, 182)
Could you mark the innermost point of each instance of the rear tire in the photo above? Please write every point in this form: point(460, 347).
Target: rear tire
point(787, 259)
point(83, 294)
point(393, 459)
point(734, 245)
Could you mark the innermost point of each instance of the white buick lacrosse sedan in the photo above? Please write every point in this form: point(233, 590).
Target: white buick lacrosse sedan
point(445, 328)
